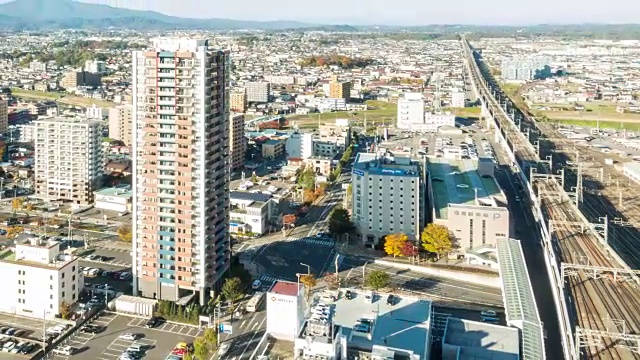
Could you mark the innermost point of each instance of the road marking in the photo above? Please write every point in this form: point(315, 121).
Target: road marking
point(251, 340)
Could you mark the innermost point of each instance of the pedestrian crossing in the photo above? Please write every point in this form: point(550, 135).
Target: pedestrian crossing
point(268, 279)
point(317, 241)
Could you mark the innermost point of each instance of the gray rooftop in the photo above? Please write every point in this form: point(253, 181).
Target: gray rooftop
point(249, 196)
point(456, 182)
point(521, 309)
point(404, 325)
point(476, 340)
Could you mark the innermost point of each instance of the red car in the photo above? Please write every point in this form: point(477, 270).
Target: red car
point(179, 352)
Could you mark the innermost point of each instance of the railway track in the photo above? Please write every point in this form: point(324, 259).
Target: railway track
point(596, 303)
point(601, 303)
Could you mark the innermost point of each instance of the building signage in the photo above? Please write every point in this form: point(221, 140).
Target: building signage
point(393, 171)
point(358, 172)
point(281, 300)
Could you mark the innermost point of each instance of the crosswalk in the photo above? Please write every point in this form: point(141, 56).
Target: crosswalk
point(317, 241)
point(268, 280)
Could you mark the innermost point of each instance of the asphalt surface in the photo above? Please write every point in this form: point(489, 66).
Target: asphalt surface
point(435, 288)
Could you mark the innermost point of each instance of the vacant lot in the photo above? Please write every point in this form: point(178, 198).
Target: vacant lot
point(61, 98)
point(380, 113)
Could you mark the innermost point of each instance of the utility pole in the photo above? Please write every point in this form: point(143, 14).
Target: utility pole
point(337, 271)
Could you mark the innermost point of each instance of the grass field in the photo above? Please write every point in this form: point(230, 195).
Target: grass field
point(380, 113)
point(617, 125)
point(61, 98)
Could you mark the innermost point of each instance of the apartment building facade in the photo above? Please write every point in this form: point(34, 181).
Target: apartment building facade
point(180, 241)
point(73, 79)
point(4, 116)
point(69, 159)
point(257, 92)
point(238, 101)
point(37, 278)
point(120, 123)
point(339, 89)
point(388, 197)
point(237, 144)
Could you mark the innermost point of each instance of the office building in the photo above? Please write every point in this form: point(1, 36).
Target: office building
point(120, 123)
point(257, 92)
point(181, 245)
point(285, 310)
point(457, 99)
point(37, 278)
point(465, 197)
point(73, 79)
point(96, 112)
point(388, 196)
point(410, 110)
point(364, 329)
point(237, 144)
point(4, 116)
point(339, 89)
point(238, 101)
point(69, 159)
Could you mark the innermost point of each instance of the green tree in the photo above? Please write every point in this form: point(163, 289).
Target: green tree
point(210, 337)
point(187, 356)
point(307, 178)
point(254, 178)
point(200, 348)
point(377, 279)
point(340, 222)
point(395, 243)
point(232, 289)
point(437, 239)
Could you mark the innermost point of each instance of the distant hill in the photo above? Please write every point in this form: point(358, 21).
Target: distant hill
point(59, 14)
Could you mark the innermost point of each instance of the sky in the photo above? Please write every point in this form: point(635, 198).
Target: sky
point(399, 12)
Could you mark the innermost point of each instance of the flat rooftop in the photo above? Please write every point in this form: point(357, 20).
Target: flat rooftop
point(404, 325)
point(386, 164)
point(456, 182)
point(477, 340)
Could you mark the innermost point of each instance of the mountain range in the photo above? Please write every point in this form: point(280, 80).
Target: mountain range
point(65, 14)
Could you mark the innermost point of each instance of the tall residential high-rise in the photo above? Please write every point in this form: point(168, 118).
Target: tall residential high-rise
point(180, 241)
point(68, 159)
point(239, 101)
point(237, 145)
point(120, 123)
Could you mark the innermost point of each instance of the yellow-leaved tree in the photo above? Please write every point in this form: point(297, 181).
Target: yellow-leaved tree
point(394, 243)
point(437, 239)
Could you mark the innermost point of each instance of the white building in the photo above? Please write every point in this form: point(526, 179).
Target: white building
point(285, 310)
point(181, 244)
point(27, 132)
point(457, 99)
point(120, 123)
point(299, 146)
point(258, 92)
point(38, 66)
point(37, 278)
point(118, 198)
point(410, 110)
point(251, 212)
point(324, 148)
point(69, 159)
point(95, 66)
point(280, 79)
point(95, 112)
point(434, 121)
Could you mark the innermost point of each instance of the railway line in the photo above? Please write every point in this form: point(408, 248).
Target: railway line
point(595, 301)
point(598, 303)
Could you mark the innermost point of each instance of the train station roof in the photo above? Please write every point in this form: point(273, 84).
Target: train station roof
point(520, 304)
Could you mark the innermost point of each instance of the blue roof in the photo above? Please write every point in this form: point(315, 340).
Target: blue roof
point(273, 142)
point(242, 195)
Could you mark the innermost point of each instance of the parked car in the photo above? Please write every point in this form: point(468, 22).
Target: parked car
point(154, 322)
point(128, 336)
point(391, 300)
point(27, 349)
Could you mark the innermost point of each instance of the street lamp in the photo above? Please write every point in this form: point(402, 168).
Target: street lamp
point(308, 268)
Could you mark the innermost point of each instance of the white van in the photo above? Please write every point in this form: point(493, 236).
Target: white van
point(64, 350)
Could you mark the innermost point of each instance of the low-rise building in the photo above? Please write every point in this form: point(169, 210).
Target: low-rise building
point(321, 165)
point(299, 145)
point(471, 340)
point(37, 278)
point(465, 197)
point(251, 213)
point(117, 198)
point(273, 148)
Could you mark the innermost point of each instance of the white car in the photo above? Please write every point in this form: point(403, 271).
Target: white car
point(223, 349)
point(64, 350)
point(128, 336)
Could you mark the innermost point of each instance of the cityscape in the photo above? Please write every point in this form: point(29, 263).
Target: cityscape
point(215, 189)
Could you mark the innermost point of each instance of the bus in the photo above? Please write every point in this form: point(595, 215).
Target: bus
point(256, 300)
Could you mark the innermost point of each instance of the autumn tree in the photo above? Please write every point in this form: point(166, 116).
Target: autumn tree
point(377, 279)
point(394, 243)
point(289, 219)
point(232, 289)
point(254, 178)
point(64, 310)
point(14, 231)
point(321, 189)
point(308, 196)
point(409, 250)
point(124, 232)
point(16, 204)
point(437, 239)
point(331, 280)
point(310, 281)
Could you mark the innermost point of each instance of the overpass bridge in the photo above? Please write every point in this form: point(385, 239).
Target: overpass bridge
point(595, 292)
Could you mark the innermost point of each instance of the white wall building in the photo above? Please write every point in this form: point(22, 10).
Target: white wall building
point(37, 278)
point(457, 99)
point(27, 132)
point(69, 159)
point(95, 112)
point(285, 310)
point(95, 66)
point(410, 110)
point(117, 198)
point(299, 146)
point(250, 212)
point(434, 121)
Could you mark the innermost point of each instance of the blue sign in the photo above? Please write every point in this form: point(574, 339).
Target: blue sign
point(358, 172)
point(225, 328)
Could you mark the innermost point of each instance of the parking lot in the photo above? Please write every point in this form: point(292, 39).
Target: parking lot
point(106, 344)
point(28, 330)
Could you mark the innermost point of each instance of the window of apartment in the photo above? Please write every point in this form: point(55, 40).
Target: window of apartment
point(50, 297)
point(50, 287)
point(62, 276)
point(484, 232)
point(63, 294)
point(470, 233)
